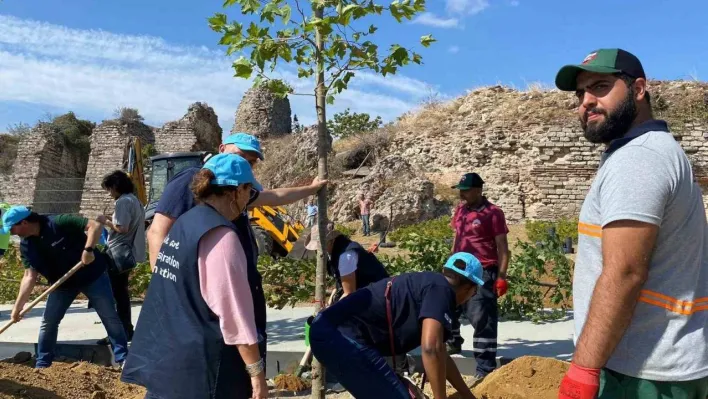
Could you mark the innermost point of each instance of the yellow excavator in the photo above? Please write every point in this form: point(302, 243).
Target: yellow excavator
point(275, 231)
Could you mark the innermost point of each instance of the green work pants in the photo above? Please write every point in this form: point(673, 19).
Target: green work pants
point(614, 385)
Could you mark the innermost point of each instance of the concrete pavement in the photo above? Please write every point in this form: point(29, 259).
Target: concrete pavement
point(286, 328)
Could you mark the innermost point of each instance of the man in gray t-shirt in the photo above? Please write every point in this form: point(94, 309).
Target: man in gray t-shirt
point(126, 230)
point(640, 288)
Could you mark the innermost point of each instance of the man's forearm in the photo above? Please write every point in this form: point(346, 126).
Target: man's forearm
point(93, 234)
point(503, 262)
point(26, 287)
point(613, 301)
point(456, 380)
point(284, 196)
point(434, 363)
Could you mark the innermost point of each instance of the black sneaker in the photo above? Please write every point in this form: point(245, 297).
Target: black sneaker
point(103, 341)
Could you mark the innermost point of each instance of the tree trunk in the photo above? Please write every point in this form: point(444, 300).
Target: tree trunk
point(318, 372)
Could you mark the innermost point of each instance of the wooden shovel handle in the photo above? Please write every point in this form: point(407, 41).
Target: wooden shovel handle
point(49, 290)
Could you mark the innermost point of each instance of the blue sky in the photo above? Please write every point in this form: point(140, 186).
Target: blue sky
point(159, 56)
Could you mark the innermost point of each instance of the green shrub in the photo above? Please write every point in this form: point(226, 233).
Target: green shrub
point(436, 228)
point(425, 253)
point(11, 272)
point(287, 281)
point(537, 230)
point(347, 231)
point(528, 270)
point(140, 279)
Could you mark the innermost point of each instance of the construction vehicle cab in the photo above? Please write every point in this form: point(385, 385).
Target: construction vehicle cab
point(275, 231)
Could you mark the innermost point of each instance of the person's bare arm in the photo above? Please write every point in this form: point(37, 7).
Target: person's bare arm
point(455, 378)
point(503, 254)
point(160, 226)
point(348, 284)
point(93, 233)
point(116, 227)
point(285, 196)
point(29, 280)
point(434, 356)
point(627, 248)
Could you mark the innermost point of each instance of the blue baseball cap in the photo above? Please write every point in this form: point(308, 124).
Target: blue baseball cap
point(245, 142)
point(12, 216)
point(473, 269)
point(231, 170)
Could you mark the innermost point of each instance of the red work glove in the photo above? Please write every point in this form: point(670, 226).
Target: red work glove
point(579, 383)
point(501, 286)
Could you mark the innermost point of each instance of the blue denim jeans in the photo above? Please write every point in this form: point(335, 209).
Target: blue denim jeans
point(365, 223)
point(101, 297)
point(360, 369)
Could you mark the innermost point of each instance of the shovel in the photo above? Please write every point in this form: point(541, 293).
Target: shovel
point(307, 358)
point(44, 294)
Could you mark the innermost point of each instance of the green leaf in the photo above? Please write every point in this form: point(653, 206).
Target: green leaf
point(217, 22)
point(243, 68)
point(399, 55)
point(417, 58)
point(249, 6)
point(330, 99)
point(285, 13)
point(229, 3)
point(269, 11)
point(304, 73)
point(372, 29)
point(427, 40)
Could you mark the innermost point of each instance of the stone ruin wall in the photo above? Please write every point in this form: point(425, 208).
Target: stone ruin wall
point(532, 169)
point(46, 173)
point(198, 130)
point(53, 178)
point(109, 146)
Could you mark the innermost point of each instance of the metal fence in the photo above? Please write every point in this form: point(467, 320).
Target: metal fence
point(58, 195)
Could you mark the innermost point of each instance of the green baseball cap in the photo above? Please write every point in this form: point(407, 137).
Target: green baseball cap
point(468, 181)
point(600, 61)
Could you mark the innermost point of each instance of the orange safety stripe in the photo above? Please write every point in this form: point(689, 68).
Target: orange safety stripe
point(673, 305)
point(591, 230)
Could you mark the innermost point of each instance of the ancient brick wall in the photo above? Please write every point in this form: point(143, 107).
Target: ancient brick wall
point(529, 147)
point(198, 130)
point(47, 174)
point(109, 152)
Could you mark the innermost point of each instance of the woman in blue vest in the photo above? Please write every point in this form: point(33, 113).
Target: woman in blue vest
point(196, 336)
point(349, 263)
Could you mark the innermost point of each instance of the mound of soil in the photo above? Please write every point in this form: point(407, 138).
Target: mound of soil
point(65, 381)
point(289, 382)
point(525, 377)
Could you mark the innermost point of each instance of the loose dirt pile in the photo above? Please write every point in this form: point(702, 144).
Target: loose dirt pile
point(289, 382)
point(525, 377)
point(65, 381)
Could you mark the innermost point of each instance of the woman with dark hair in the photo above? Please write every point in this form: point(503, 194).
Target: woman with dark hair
point(196, 337)
point(349, 263)
point(125, 246)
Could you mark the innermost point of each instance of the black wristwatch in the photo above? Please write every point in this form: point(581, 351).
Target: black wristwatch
point(88, 249)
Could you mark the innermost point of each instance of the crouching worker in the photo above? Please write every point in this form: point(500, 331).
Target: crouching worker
point(196, 337)
point(392, 317)
point(349, 263)
point(51, 246)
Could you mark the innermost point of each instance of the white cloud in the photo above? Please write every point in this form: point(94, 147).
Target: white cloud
point(430, 19)
point(453, 49)
point(97, 71)
point(468, 7)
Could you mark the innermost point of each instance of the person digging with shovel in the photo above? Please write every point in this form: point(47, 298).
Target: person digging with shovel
point(51, 246)
point(395, 316)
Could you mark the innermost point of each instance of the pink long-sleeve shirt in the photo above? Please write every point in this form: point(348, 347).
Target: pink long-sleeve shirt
point(223, 281)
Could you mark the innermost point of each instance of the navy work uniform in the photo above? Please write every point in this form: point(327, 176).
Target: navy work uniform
point(178, 350)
